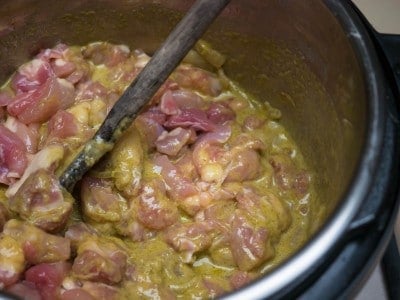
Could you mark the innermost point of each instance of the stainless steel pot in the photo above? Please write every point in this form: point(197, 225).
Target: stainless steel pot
point(314, 60)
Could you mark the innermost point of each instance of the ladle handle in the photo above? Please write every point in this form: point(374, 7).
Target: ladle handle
point(146, 84)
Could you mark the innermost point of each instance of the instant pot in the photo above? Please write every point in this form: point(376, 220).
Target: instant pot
point(336, 82)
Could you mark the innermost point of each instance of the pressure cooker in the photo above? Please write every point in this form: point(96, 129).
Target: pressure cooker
point(334, 78)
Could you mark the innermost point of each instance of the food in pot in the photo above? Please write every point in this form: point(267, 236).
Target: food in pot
point(204, 192)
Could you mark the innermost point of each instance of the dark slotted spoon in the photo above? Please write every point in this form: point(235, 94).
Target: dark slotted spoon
point(146, 84)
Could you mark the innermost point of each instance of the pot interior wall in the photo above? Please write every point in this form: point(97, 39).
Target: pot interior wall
point(293, 54)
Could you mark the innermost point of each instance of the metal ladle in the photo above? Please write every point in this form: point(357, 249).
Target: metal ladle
point(145, 85)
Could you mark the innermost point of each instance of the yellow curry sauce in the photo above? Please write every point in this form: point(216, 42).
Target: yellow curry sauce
point(205, 191)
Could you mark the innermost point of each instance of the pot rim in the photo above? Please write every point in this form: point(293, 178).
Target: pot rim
point(288, 277)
